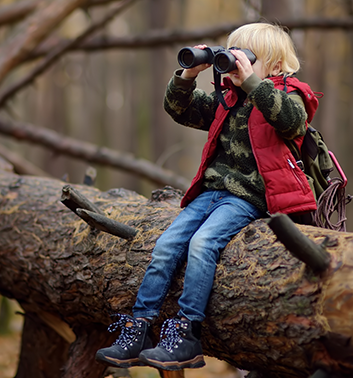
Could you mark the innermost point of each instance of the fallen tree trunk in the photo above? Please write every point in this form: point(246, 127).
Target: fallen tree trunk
point(268, 312)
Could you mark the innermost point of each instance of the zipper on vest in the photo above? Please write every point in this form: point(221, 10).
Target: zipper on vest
point(296, 174)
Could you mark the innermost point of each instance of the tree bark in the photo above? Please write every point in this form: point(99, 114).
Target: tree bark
point(268, 312)
point(43, 350)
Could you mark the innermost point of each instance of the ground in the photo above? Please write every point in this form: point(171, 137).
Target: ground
point(10, 348)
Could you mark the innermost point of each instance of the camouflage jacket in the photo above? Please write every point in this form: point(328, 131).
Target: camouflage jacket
point(233, 165)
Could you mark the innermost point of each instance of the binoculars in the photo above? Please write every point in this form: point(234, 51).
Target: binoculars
point(222, 59)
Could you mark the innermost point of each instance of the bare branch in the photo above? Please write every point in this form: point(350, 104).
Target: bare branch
point(159, 38)
point(33, 31)
point(60, 50)
point(93, 153)
point(14, 12)
point(21, 166)
point(17, 11)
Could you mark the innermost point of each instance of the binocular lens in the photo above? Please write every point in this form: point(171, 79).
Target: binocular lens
point(222, 63)
point(186, 58)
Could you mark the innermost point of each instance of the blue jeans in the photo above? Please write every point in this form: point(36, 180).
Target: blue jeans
point(198, 234)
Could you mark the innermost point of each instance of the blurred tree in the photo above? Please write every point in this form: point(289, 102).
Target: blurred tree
point(5, 315)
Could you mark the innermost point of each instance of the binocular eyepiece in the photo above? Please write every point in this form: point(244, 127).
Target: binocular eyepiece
point(222, 59)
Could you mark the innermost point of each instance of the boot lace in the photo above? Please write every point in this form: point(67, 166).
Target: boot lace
point(128, 334)
point(170, 333)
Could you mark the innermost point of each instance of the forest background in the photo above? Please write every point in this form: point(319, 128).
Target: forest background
point(112, 96)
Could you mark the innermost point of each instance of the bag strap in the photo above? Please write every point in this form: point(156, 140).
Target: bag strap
point(218, 89)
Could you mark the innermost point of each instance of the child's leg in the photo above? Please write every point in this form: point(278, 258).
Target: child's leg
point(181, 347)
point(169, 253)
point(227, 217)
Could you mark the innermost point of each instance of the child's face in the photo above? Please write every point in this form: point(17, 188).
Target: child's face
point(260, 70)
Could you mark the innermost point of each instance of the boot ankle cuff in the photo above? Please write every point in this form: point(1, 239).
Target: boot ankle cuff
point(196, 329)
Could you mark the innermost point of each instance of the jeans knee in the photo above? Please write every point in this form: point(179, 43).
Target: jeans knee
point(167, 255)
point(197, 244)
point(203, 249)
point(159, 256)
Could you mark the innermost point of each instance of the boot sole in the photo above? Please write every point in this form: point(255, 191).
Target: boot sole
point(196, 362)
point(111, 361)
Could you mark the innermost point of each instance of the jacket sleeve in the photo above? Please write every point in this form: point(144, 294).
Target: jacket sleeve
point(188, 105)
point(285, 112)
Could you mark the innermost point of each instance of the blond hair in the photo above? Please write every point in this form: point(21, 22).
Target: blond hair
point(270, 43)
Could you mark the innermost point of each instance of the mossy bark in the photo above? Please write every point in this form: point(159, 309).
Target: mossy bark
point(267, 311)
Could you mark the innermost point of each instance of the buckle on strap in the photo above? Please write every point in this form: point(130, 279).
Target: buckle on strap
point(300, 164)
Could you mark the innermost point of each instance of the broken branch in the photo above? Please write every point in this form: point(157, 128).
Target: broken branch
point(73, 199)
point(315, 256)
point(103, 223)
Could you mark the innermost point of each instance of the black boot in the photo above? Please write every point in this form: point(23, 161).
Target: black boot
point(179, 346)
point(134, 338)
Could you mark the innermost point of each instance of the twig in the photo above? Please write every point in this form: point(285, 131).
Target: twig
point(93, 215)
point(111, 226)
point(73, 199)
point(315, 256)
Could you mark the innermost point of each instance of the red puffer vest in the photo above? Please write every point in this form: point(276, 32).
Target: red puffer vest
point(287, 189)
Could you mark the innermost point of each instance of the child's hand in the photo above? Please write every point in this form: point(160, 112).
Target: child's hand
point(245, 69)
point(191, 73)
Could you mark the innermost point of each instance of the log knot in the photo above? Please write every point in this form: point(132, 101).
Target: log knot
point(168, 194)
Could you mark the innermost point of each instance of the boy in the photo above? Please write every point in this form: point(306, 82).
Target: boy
point(246, 171)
